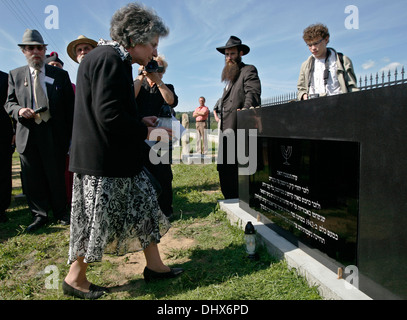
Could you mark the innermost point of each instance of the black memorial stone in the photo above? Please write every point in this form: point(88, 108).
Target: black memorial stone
point(310, 188)
point(331, 177)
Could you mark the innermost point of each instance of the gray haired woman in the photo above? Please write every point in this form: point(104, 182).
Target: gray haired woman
point(114, 204)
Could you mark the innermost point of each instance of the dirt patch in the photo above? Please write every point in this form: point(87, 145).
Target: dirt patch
point(133, 264)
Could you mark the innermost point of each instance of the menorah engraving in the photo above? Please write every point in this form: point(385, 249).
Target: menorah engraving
point(286, 152)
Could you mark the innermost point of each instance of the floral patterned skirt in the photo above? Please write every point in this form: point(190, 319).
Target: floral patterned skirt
point(113, 215)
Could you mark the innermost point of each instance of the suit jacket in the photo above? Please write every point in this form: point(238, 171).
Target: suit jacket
point(6, 128)
point(61, 105)
point(244, 93)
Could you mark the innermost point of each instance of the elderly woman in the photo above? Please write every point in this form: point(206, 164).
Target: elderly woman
point(114, 205)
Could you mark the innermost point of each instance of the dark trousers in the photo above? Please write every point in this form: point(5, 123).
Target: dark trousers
point(228, 168)
point(5, 175)
point(229, 182)
point(43, 167)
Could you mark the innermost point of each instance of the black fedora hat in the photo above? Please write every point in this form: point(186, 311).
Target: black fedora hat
point(234, 42)
point(32, 37)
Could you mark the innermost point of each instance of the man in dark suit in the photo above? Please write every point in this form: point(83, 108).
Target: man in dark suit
point(6, 150)
point(41, 99)
point(242, 91)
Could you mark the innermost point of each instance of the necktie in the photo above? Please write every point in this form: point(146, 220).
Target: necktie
point(40, 99)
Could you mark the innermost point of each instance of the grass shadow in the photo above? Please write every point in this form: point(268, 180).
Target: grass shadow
point(206, 267)
point(20, 217)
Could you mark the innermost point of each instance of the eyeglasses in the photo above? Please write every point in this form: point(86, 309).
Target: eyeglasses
point(32, 48)
point(315, 43)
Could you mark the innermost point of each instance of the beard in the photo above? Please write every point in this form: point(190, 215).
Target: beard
point(36, 64)
point(231, 71)
point(80, 58)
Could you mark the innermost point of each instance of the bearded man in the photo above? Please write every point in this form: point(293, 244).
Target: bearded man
point(80, 47)
point(41, 100)
point(242, 91)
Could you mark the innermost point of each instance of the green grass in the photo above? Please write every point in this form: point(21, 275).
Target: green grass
point(215, 261)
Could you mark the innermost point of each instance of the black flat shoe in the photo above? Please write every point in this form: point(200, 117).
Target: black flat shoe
point(95, 292)
point(38, 223)
point(152, 275)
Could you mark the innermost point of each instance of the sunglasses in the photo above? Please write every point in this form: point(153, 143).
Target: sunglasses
point(32, 48)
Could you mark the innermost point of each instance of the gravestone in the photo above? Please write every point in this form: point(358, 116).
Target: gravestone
point(310, 188)
point(331, 178)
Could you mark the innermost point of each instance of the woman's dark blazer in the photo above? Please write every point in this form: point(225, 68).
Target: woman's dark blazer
point(107, 132)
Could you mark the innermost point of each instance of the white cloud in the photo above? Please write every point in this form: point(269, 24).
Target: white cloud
point(391, 67)
point(368, 64)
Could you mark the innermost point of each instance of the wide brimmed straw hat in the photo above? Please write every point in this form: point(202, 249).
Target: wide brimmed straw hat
point(72, 45)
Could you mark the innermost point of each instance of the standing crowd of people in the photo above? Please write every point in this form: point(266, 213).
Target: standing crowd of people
point(70, 138)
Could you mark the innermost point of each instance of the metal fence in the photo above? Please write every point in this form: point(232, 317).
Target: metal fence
point(366, 83)
point(280, 99)
point(373, 82)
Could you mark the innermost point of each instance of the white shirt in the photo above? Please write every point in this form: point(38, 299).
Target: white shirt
point(317, 80)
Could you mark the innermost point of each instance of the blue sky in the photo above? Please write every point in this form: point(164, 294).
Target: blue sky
point(272, 29)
